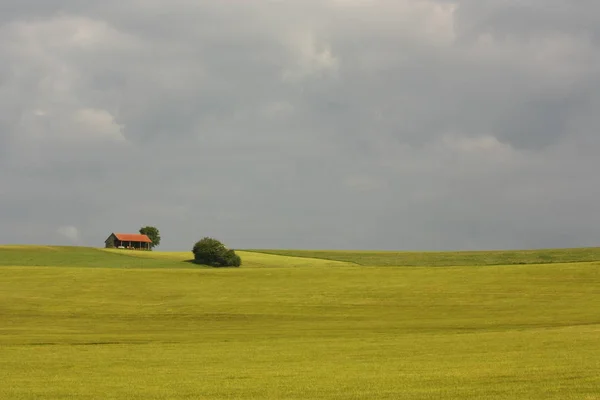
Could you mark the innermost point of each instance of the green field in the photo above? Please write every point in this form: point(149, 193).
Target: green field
point(82, 323)
point(448, 258)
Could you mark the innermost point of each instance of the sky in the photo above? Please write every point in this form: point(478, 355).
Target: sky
point(313, 124)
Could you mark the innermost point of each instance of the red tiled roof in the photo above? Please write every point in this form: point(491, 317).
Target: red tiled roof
point(133, 237)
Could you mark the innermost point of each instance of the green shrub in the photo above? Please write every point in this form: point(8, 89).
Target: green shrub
point(231, 259)
point(209, 251)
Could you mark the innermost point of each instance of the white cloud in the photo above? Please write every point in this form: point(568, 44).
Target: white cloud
point(52, 61)
point(64, 34)
point(70, 233)
point(93, 123)
point(311, 58)
point(483, 145)
point(429, 21)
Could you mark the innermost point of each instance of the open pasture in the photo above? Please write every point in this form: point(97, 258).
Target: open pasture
point(448, 258)
point(80, 323)
point(56, 256)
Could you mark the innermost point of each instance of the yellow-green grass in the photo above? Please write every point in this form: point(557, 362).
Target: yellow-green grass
point(448, 258)
point(92, 257)
point(153, 330)
point(58, 256)
point(249, 259)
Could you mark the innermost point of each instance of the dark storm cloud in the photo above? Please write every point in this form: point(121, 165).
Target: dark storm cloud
point(331, 123)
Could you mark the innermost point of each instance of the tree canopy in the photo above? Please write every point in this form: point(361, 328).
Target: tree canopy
point(153, 233)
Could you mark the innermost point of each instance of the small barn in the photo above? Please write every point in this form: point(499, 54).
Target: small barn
point(133, 241)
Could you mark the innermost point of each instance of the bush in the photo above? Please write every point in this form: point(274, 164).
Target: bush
point(209, 251)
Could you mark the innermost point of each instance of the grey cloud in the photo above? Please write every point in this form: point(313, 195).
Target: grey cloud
point(517, 18)
point(407, 124)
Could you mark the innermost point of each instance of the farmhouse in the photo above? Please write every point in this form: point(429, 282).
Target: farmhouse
point(132, 241)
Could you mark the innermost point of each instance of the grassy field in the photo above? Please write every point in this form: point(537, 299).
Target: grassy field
point(78, 323)
point(448, 258)
point(55, 256)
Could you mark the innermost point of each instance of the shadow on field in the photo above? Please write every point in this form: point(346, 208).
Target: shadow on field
point(193, 263)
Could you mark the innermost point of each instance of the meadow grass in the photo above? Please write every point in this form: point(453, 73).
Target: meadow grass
point(320, 330)
point(447, 258)
point(57, 256)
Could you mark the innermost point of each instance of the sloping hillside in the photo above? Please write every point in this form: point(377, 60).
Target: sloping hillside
point(58, 256)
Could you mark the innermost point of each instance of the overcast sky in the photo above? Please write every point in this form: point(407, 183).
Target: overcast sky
point(346, 124)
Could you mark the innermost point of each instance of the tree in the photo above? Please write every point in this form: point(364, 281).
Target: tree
point(153, 233)
point(209, 251)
